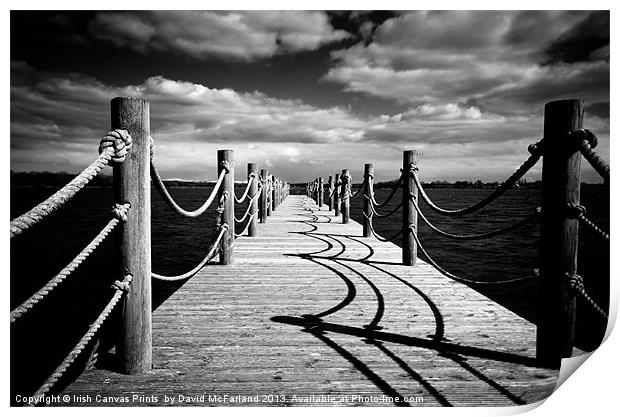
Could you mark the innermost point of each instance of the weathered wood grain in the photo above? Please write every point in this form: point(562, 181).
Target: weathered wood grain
point(376, 327)
point(132, 184)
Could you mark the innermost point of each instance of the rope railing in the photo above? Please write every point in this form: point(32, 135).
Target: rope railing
point(119, 212)
point(113, 148)
point(534, 149)
point(210, 254)
point(122, 287)
point(241, 199)
point(478, 236)
point(389, 197)
point(249, 208)
point(576, 285)
point(377, 236)
point(587, 141)
point(388, 214)
point(161, 187)
point(461, 279)
point(247, 226)
point(578, 212)
point(359, 190)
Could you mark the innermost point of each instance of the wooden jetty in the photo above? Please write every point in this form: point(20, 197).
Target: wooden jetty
point(308, 307)
point(313, 308)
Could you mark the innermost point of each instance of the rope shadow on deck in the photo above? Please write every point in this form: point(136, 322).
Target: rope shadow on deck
point(372, 333)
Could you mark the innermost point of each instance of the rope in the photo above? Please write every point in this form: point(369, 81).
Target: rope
point(247, 189)
point(575, 283)
point(479, 236)
point(248, 209)
point(381, 239)
point(210, 254)
point(112, 151)
point(535, 150)
point(359, 190)
point(389, 198)
point(247, 226)
point(459, 279)
point(587, 141)
point(578, 211)
point(120, 211)
point(81, 345)
point(161, 187)
point(376, 213)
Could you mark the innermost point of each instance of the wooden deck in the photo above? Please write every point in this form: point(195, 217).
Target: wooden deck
point(312, 309)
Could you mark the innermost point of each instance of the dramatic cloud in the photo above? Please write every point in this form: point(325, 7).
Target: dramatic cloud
point(241, 36)
point(500, 62)
point(56, 120)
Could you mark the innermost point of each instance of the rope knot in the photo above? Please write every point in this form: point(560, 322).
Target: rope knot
point(119, 211)
point(225, 166)
point(224, 226)
point(586, 135)
point(124, 284)
point(574, 211)
point(370, 175)
point(152, 146)
point(575, 283)
point(119, 140)
point(535, 148)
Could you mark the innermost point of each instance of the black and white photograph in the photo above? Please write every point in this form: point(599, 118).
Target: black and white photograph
point(306, 208)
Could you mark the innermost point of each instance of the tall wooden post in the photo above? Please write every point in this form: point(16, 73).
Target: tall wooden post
point(321, 198)
point(345, 189)
point(410, 216)
point(132, 184)
point(330, 183)
point(263, 199)
point(561, 178)
point(369, 174)
point(337, 202)
point(253, 228)
point(272, 206)
point(225, 160)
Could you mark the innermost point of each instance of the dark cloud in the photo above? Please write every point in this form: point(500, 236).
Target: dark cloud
point(583, 42)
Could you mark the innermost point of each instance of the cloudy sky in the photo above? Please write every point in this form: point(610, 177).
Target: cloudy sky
point(307, 92)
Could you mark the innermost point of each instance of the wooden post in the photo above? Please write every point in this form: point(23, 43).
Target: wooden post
point(272, 206)
point(369, 173)
point(561, 178)
point(262, 200)
point(337, 195)
point(225, 160)
point(410, 216)
point(345, 188)
point(132, 184)
point(330, 183)
point(253, 228)
point(321, 198)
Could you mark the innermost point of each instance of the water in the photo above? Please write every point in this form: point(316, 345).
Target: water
point(42, 339)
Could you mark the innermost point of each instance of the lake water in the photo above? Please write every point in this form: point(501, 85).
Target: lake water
point(41, 339)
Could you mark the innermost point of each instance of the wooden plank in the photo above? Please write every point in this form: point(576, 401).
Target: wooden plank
point(385, 329)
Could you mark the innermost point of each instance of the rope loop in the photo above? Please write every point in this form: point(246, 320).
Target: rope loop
point(575, 283)
point(370, 175)
point(119, 211)
point(585, 135)
point(413, 168)
point(535, 149)
point(575, 211)
point(225, 166)
point(124, 284)
point(119, 140)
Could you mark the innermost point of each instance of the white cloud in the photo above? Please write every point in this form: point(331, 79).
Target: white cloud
point(56, 122)
point(493, 60)
point(243, 36)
